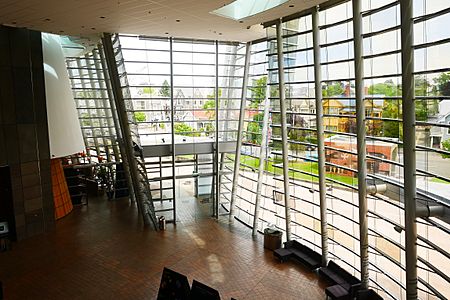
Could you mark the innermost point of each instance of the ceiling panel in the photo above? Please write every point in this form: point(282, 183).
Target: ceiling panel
point(146, 17)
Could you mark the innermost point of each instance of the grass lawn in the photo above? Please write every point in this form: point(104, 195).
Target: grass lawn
point(309, 167)
point(438, 180)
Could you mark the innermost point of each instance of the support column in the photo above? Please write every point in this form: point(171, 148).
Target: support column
point(409, 145)
point(284, 136)
point(123, 119)
point(320, 136)
point(262, 156)
point(361, 142)
point(237, 157)
point(216, 152)
point(172, 113)
point(115, 117)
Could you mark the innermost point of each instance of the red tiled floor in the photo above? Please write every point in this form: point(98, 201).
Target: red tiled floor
point(102, 251)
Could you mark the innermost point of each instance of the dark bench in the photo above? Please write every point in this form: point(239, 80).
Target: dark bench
point(338, 276)
point(301, 253)
point(368, 295)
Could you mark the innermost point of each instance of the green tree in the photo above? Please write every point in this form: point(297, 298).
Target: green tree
point(333, 89)
point(164, 91)
point(148, 90)
point(388, 88)
point(184, 129)
point(254, 129)
point(210, 105)
point(442, 85)
point(424, 108)
point(209, 128)
point(391, 110)
point(85, 120)
point(297, 136)
point(446, 146)
point(258, 91)
point(140, 116)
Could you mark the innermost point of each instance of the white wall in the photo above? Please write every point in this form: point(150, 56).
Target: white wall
point(63, 125)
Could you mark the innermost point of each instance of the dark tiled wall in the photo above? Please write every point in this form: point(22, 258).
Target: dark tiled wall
point(24, 144)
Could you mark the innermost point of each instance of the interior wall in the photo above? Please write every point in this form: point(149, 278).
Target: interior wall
point(24, 142)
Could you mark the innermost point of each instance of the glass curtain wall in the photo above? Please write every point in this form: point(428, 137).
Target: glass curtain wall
point(185, 92)
point(92, 102)
point(384, 139)
point(432, 79)
point(230, 71)
point(251, 145)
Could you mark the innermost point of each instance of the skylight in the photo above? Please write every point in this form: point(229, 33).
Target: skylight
point(241, 9)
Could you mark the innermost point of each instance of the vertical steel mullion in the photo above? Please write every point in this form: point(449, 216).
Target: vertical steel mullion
point(284, 128)
point(93, 87)
point(115, 117)
point(172, 124)
point(123, 118)
point(77, 103)
point(216, 154)
point(320, 136)
point(107, 108)
point(262, 158)
point(229, 106)
point(409, 144)
point(88, 106)
point(361, 143)
point(237, 157)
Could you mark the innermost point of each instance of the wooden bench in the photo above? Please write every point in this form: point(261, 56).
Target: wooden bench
point(338, 276)
point(368, 295)
point(299, 252)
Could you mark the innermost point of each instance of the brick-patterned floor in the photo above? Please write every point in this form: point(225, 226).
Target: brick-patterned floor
point(103, 252)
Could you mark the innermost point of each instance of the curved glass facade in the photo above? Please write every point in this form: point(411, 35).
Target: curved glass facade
point(383, 128)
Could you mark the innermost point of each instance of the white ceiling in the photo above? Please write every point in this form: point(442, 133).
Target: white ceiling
point(146, 17)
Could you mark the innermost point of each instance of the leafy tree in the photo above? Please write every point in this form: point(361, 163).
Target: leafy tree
point(254, 129)
point(391, 110)
point(424, 108)
point(148, 90)
point(210, 105)
point(209, 127)
point(331, 90)
point(140, 116)
point(298, 136)
point(84, 120)
point(184, 129)
point(165, 89)
point(258, 91)
point(388, 88)
point(446, 146)
point(442, 85)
